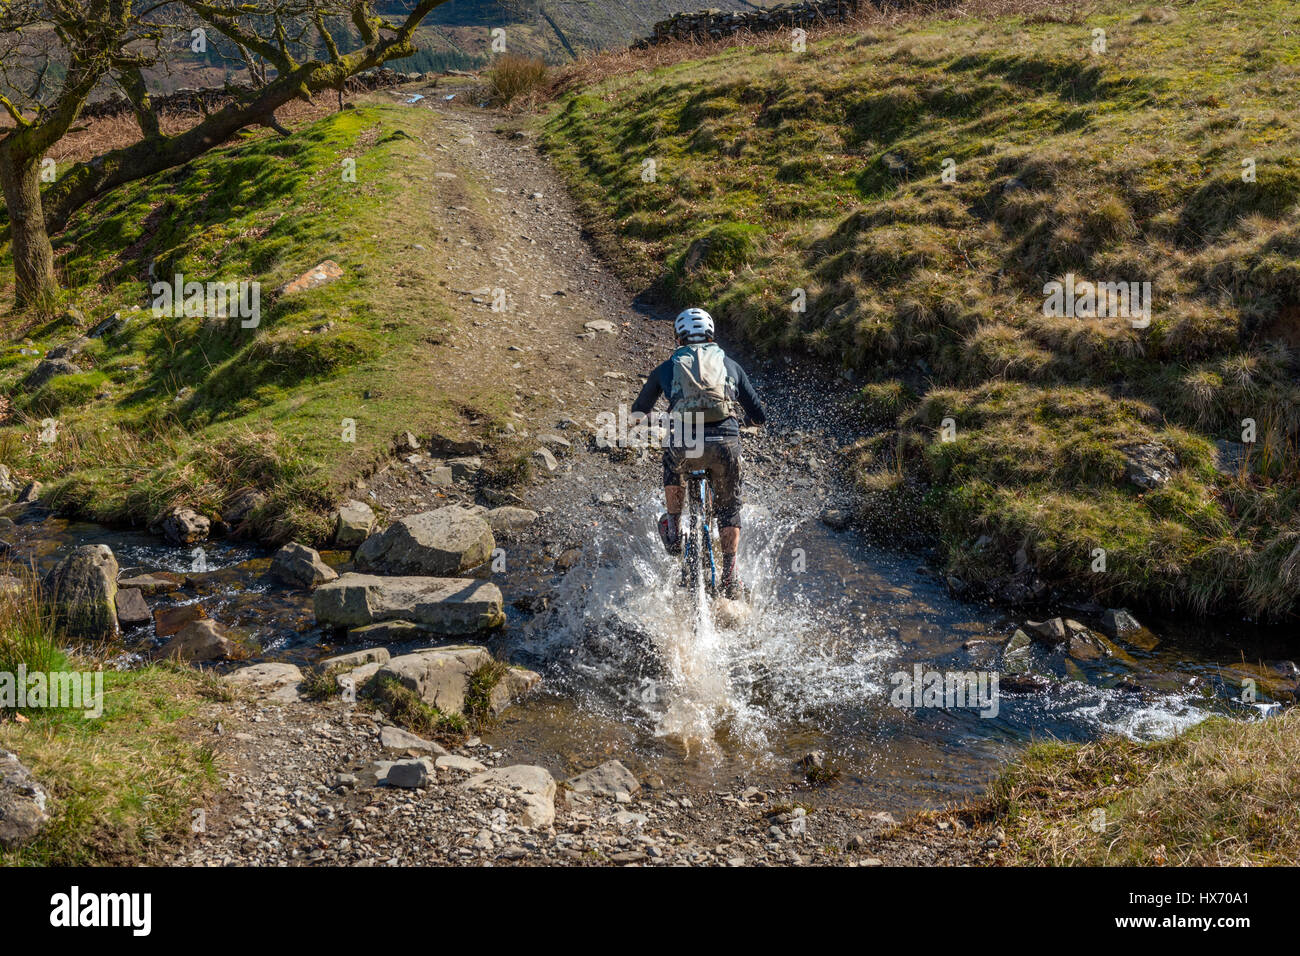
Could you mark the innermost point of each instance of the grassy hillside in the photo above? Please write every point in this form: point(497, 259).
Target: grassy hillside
point(190, 409)
point(824, 171)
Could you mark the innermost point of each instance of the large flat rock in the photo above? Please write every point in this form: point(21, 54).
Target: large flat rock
point(533, 786)
point(440, 605)
point(277, 681)
point(609, 779)
point(440, 675)
point(441, 542)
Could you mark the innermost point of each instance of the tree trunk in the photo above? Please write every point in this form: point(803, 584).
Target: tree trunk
point(35, 285)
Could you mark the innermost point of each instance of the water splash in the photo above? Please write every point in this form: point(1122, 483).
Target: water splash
point(637, 646)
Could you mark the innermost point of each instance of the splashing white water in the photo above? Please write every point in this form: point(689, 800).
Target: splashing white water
point(713, 678)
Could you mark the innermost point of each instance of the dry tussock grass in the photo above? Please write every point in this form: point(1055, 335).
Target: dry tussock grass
point(519, 81)
point(1224, 794)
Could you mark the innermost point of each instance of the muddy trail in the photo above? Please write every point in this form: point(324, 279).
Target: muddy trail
point(715, 717)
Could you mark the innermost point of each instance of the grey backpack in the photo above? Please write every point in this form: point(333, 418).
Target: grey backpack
point(700, 382)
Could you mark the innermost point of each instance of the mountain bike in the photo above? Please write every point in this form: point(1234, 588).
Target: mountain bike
point(696, 530)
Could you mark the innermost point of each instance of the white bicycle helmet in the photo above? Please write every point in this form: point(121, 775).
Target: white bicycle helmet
point(694, 325)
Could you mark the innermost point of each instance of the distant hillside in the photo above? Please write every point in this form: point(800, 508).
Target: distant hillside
point(557, 30)
point(457, 35)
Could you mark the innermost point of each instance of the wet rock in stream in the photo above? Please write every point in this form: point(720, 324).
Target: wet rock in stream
point(156, 582)
point(300, 566)
point(83, 587)
point(386, 632)
point(440, 605)
point(169, 620)
point(181, 526)
point(196, 642)
point(132, 609)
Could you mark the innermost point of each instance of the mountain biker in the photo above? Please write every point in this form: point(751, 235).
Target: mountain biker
point(699, 379)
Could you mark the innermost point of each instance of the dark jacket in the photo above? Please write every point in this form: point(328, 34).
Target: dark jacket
point(660, 382)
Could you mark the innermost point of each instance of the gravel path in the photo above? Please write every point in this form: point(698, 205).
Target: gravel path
point(299, 791)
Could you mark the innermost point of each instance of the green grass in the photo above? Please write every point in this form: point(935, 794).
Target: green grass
point(27, 633)
point(478, 694)
point(823, 173)
point(126, 784)
point(1222, 794)
point(170, 410)
point(123, 785)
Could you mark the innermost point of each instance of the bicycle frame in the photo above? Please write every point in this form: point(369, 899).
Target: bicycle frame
point(698, 499)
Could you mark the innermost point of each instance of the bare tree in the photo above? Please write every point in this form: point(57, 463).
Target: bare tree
point(55, 53)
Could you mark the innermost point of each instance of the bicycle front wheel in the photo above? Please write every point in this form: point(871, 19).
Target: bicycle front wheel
point(691, 553)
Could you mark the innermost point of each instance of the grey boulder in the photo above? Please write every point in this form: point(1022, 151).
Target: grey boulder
point(533, 786)
point(395, 738)
point(1018, 653)
point(149, 584)
point(543, 458)
point(1149, 465)
point(440, 676)
point(83, 588)
point(442, 542)
point(353, 524)
point(409, 774)
point(1118, 621)
point(464, 468)
point(131, 607)
point(198, 641)
point(508, 519)
point(440, 605)
point(48, 369)
point(181, 526)
point(68, 350)
point(300, 566)
point(277, 681)
point(23, 812)
point(1051, 632)
point(243, 504)
point(459, 763)
point(609, 779)
point(385, 632)
point(1084, 644)
point(371, 655)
